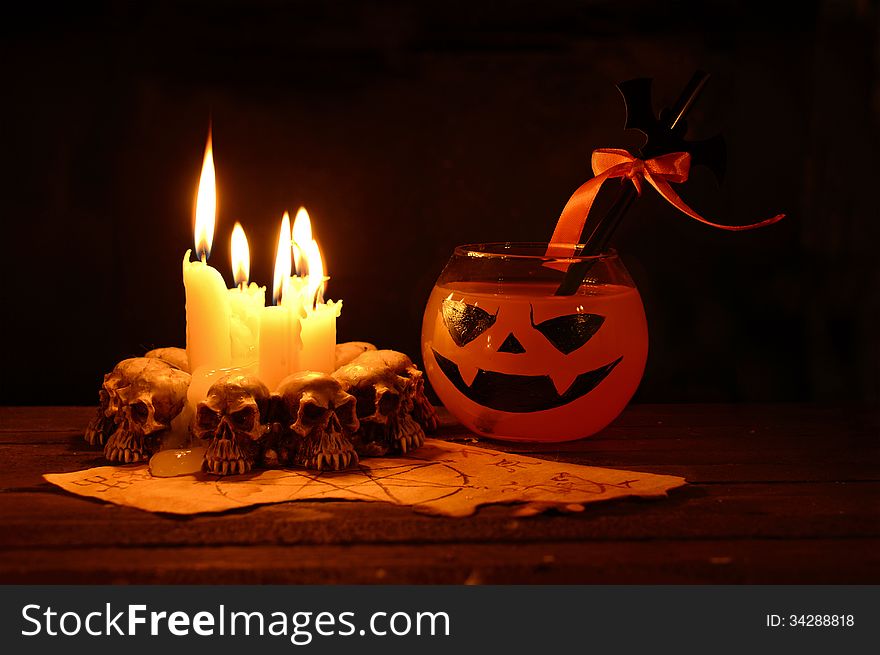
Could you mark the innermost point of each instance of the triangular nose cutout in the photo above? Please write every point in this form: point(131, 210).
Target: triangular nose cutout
point(511, 345)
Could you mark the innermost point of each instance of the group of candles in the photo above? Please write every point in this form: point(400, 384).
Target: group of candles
point(233, 329)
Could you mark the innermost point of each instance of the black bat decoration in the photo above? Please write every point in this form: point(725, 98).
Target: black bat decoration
point(664, 134)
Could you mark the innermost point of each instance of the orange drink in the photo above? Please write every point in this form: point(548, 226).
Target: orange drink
point(512, 360)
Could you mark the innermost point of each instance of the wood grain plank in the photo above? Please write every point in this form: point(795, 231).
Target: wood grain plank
point(854, 561)
point(780, 511)
point(779, 493)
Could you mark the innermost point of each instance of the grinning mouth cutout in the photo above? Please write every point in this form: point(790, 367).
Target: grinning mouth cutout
point(521, 393)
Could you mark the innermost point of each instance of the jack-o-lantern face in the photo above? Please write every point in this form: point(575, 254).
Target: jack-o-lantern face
point(511, 392)
point(528, 365)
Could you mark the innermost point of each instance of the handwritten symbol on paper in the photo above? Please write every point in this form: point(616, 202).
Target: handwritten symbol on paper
point(567, 483)
point(102, 484)
point(509, 465)
point(396, 481)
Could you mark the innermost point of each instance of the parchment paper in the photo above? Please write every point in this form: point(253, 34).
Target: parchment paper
point(440, 478)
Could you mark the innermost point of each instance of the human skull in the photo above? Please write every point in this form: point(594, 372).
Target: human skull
point(383, 406)
point(320, 417)
point(232, 421)
point(140, 396)
point(421, 408)
point(347, 351)
point(177, 357)
point(103, 424)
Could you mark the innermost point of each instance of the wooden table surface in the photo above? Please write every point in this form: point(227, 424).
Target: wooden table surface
point(776, 494)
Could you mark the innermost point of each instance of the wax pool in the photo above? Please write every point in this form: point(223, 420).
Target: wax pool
point(177, 461)
point(497, 380)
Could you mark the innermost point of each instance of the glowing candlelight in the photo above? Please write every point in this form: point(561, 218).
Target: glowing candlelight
point(241, 256)
point(318, 322)
point(280, 342)
point(206, 205)
point(246, 303)
point(207, 303)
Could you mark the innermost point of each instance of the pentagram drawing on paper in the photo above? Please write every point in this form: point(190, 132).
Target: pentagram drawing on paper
point(402, 481)
point(440, 478)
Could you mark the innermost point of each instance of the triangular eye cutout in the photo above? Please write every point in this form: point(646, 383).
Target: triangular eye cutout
point(465, 322)
point(570, 332)
point(511, 345)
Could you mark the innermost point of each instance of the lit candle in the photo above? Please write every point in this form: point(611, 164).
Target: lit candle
point(246, 304)
point(280, 343)
point(207, 300)
point(318, 319)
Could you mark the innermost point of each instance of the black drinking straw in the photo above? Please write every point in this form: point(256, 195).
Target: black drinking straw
point(655, 145)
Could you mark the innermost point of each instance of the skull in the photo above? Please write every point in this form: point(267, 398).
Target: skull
point(103, 424)
point(232, 419)
point(347, 351)
point(320, 415)
point(140, 396)
point(177, 357)
point(384, 406)
point(420, 407)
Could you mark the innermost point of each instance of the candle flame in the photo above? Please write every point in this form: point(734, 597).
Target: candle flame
point(282, 259)
point(302, 237)
point(316, 280)
point(307, 257)
point(206, 205)
point(241, 256)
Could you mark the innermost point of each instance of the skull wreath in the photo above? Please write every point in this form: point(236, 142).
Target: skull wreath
point(373, 405)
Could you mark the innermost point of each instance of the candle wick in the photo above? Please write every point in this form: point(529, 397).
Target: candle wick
point(242, 285)
point(204, 258)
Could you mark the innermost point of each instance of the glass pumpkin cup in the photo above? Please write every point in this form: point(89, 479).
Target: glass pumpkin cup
point(513, 361)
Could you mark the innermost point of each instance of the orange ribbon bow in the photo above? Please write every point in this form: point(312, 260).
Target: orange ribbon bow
point(612, 162)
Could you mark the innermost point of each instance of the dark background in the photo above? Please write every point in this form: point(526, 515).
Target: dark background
point(408, 128)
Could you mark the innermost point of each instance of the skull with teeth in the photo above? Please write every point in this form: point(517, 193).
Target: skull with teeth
point(384, 406)
point(232, 420)
point(139, 399)
point(103, 424)
point(320, 416)
point(421, 408)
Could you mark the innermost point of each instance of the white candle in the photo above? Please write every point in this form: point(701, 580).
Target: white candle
point(317, 318)
point(245, 309)
point(319, 337)
point(207, 315)
point(277, 356)
point(207, 302)
point(280, 343)
point(246, 304)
